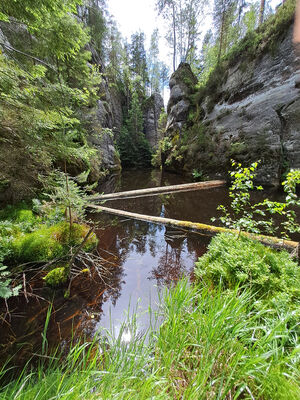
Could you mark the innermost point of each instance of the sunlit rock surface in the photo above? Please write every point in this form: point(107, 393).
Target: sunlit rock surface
point(255, 115)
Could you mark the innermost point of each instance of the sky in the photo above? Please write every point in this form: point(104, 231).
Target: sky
point(139, 15)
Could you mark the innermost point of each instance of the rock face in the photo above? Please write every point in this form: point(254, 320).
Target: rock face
point(103, 123)
point(181, 84)
point(154, 105)
point(254, 115)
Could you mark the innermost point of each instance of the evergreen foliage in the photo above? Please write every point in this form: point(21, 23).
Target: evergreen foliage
point(133, 146)
point(184, 20)
point(44, 80)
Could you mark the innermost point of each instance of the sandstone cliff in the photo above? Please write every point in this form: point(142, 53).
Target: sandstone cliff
point(103, 124)
point(153, 107)
point(252, 112)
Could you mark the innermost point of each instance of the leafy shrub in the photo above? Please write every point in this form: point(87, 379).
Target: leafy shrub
point(231, 262)
point(6, 290)
point(48, 243)
point(198, 175)
point(242, 213)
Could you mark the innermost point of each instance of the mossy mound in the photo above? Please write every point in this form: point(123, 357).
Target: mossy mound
point(47, 243)
point(58, 276)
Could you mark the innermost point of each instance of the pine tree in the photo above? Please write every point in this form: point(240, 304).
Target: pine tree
point(223, 16)
point(138, 63)
point(184, 18)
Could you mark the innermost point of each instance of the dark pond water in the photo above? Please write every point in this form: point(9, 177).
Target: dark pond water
point(140, 259)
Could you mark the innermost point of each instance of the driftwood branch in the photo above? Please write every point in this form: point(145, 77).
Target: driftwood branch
point(197, 227)
point(160, 190)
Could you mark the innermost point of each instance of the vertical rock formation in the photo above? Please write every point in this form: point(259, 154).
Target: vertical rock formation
point(182, 83)
point(153, 108)
point(103, 123)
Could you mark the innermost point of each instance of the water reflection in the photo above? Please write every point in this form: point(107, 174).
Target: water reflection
point(149, 256)
point(141, 258)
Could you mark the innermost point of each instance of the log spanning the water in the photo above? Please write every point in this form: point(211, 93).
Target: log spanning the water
point(159, 190)
point(203, 229)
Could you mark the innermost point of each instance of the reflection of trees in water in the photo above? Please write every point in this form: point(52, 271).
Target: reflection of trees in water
point(117, 241)
point(171, 265)
point(197, 243)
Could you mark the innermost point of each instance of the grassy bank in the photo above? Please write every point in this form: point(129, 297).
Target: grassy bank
point(212, 344)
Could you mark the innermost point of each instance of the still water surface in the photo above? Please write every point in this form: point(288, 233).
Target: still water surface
point(141, 259)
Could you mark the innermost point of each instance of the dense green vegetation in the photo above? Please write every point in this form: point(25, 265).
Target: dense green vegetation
point(273, 277)
point(251, 45)
point(44, 232)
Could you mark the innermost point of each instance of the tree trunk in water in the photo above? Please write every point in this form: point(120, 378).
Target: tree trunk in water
point(209, 230)
point(159, 190)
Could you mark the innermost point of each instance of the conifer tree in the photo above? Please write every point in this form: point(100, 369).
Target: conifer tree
point(223, 15)
point(153, 63)
point(138, 63)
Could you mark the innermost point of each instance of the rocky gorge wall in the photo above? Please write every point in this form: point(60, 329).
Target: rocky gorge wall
point(252, 113)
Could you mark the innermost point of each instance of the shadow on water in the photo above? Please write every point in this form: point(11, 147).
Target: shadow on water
point(142, 258)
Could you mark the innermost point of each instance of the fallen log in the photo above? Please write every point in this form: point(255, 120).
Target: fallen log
point(160, 190)
point(204, 229)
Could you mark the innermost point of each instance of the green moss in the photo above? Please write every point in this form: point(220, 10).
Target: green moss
point(57, 277)
point(17, 213)
point(47, 243)
point(75, 235)
point(40, 245)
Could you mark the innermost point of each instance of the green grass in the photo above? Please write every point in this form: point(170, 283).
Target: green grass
point(211, 345)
